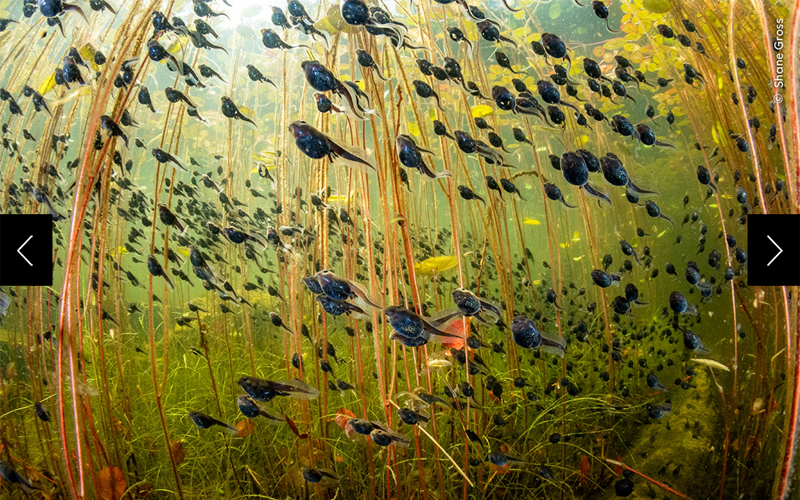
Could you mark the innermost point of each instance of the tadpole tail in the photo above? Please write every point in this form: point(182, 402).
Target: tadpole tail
point(595, 193)
point(567, 204)
point(564, 103)
point(438, 103)
point(247, 120)
point(212, 46)
point(508, 40)
point(379, 73)
point(636, 189)
point(169, 282)
point(352, 99)
point(667, 145)
point(76, 9)
point(423, 168)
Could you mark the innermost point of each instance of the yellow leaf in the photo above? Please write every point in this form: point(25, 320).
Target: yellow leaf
point(576, 236)
point(436, 265)
point(248, 112)
point(122, 250)
point(183, 251)
point(576, 259)
point(80, 91)
point(413, 129)
point(175, 46)
point(711, 363)
point(481, 110)
point(719, 135)
point(658, 6)
point(87, 53)
point(48, 84)
point(333, 22)
point(615, 44)
point(265, 156)
point(325, 24)
point(531, 222)
point(340, 198)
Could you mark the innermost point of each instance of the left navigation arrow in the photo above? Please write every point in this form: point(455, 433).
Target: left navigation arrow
point(19, 250)
point(26, 250)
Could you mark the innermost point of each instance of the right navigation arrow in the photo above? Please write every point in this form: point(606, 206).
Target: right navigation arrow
point(780, 250)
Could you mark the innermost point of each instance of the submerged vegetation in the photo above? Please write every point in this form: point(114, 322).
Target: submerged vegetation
point(414, 249)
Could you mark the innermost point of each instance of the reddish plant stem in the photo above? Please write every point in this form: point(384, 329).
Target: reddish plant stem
point(791, 429)
point(660, 485)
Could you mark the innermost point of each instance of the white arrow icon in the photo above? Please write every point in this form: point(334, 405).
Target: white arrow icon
point(780, 250)
point(19, 250)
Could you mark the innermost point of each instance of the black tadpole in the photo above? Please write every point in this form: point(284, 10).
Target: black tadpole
point(469, 194)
